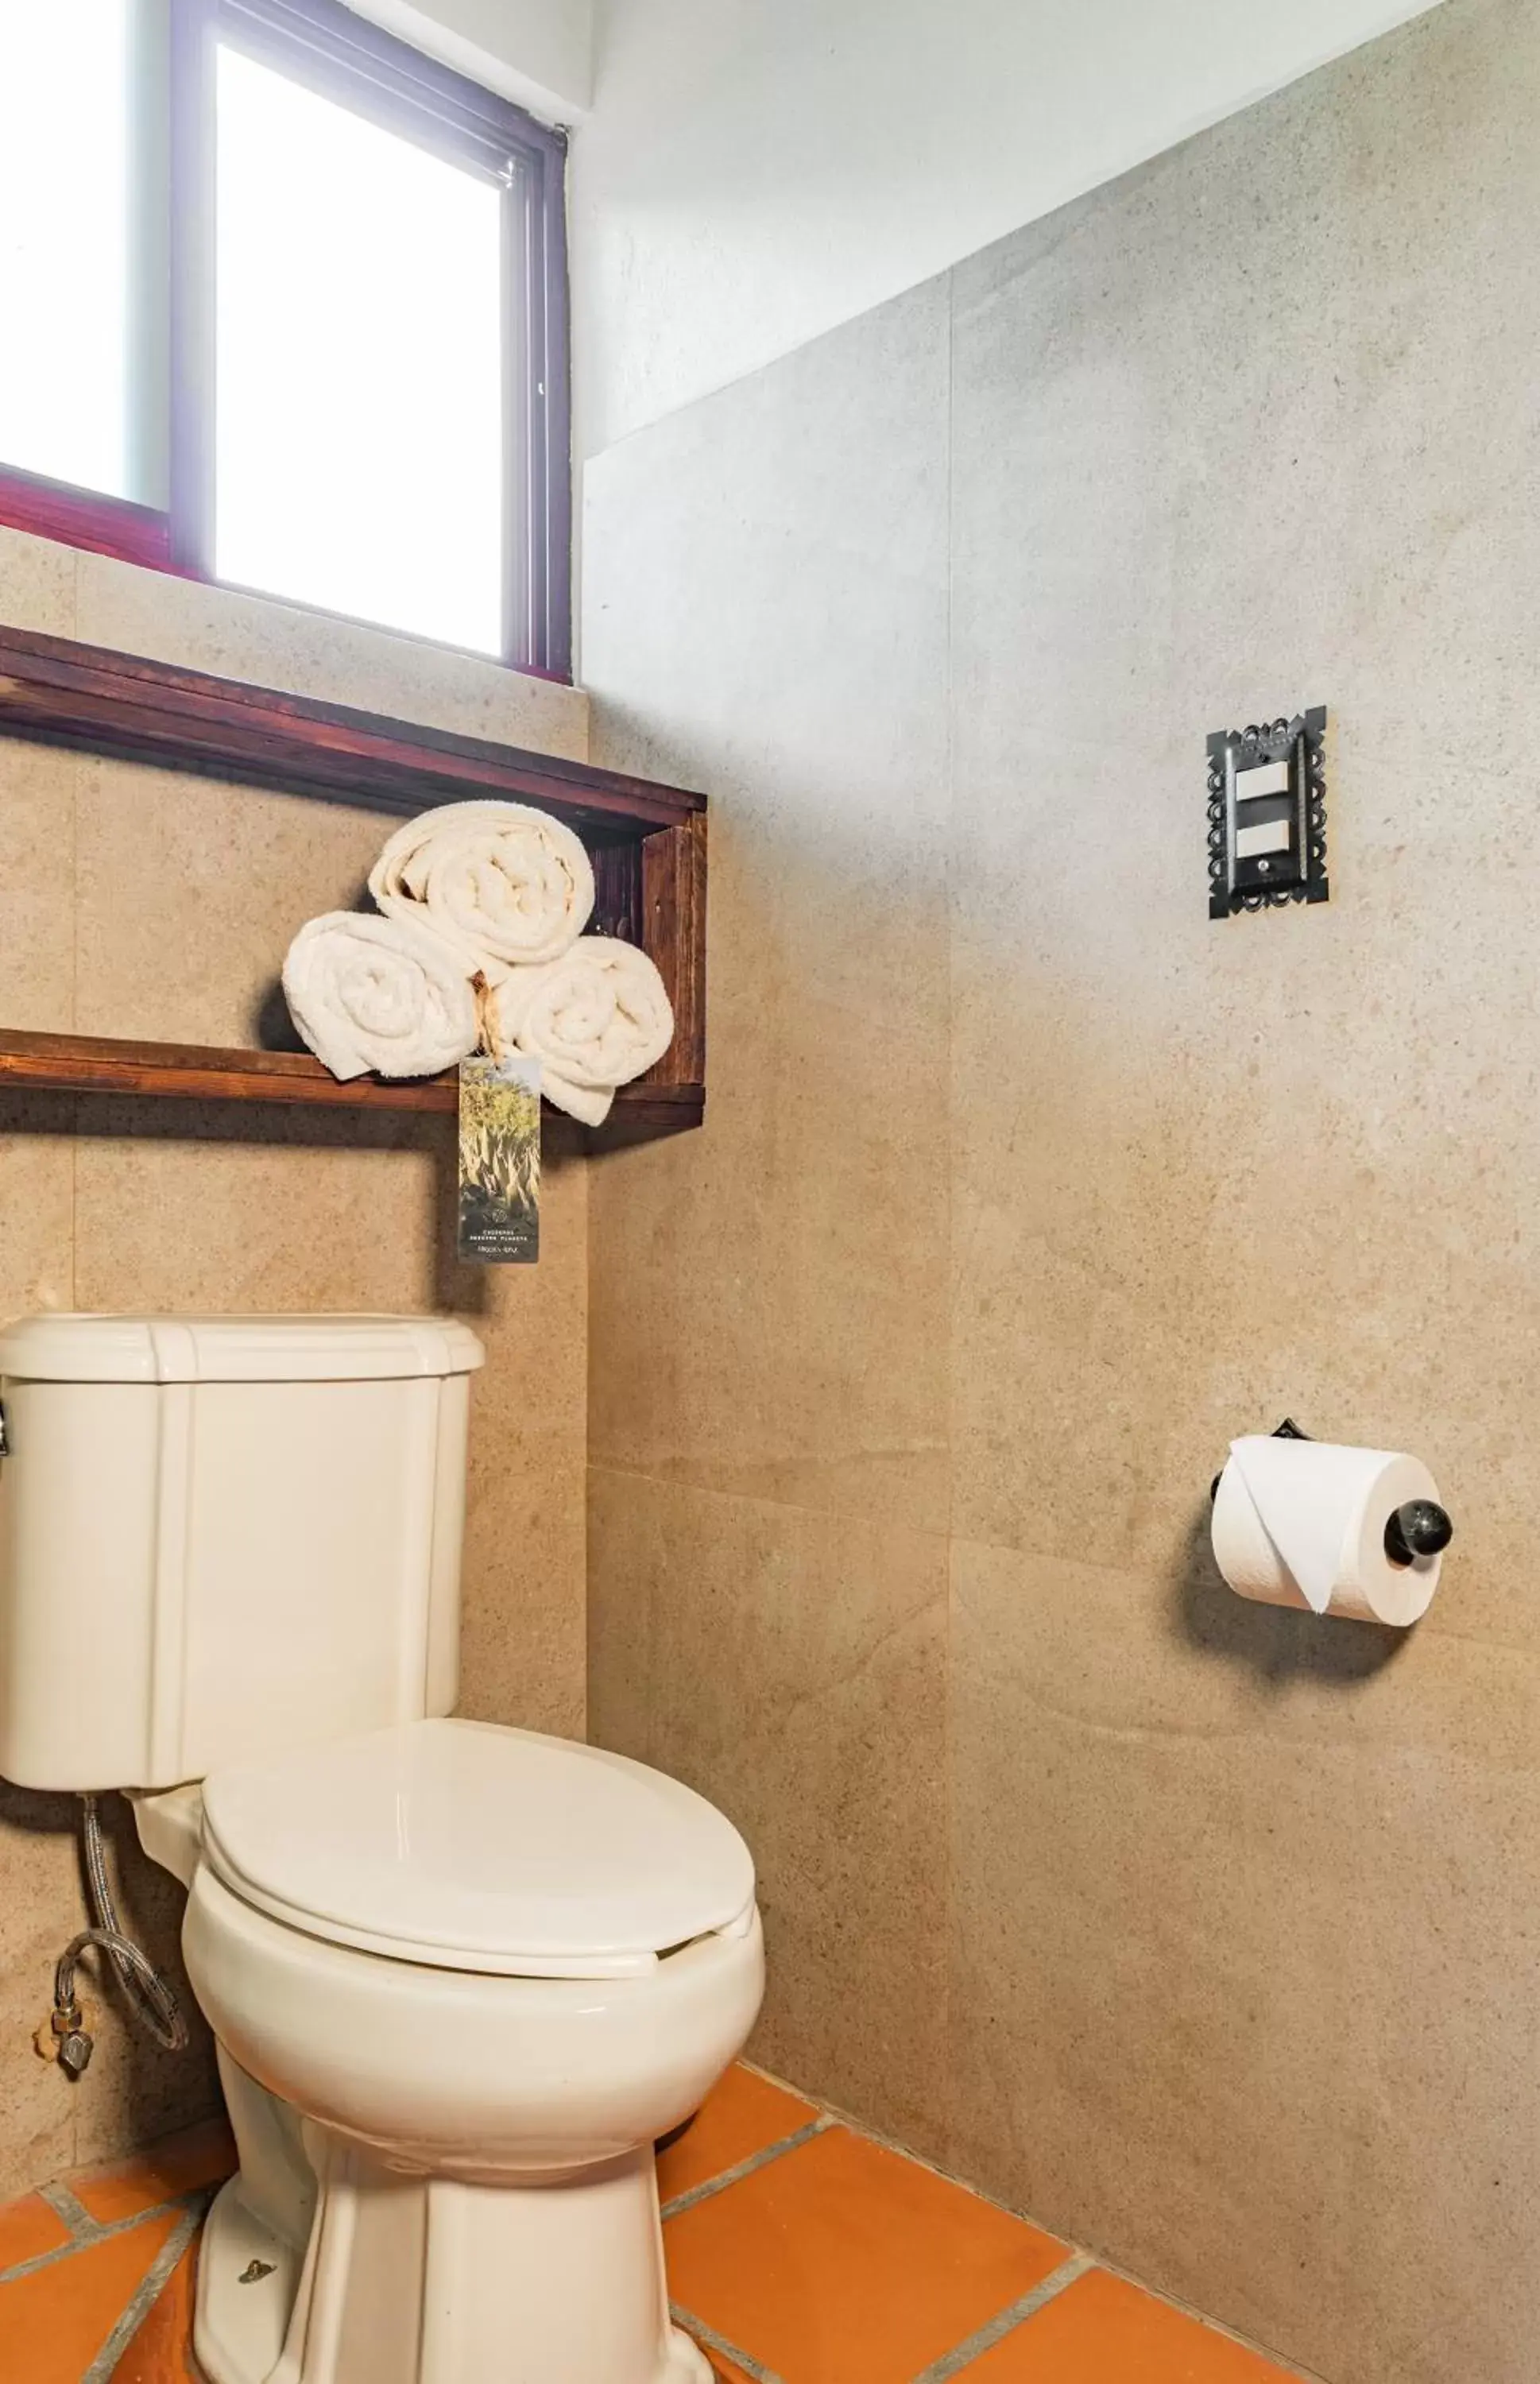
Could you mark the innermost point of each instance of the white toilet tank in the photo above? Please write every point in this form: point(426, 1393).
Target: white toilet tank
point(222, 1536)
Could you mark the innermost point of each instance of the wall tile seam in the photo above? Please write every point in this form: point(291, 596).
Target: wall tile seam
point(837, 1514)
point(1434, 1627)
point(949, 1900)
point(75, 763)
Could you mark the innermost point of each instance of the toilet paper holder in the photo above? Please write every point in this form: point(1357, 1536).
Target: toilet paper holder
point(1421, 1528)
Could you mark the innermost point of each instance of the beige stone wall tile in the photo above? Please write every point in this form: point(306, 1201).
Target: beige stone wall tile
point(184, 1207)
point(37, 1864)
point(745, 1276)
point(537, 1315)
point(1274, 1174)
point(37, 1196)
point(134, 2090)
point(37, 584)
point(522, 1632)
point(788, 1664)
point(756, 1265)
point(38, 801)
point(175, 927)
point(38, 1873)
point(522, 1657)
point(37, 809)
point(38, 1883)
point(195, 626)
point(625, 1558)
point(1242, 1903)
point(190, 893)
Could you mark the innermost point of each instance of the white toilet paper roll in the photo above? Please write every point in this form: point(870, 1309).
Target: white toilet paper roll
point(1302, 1523)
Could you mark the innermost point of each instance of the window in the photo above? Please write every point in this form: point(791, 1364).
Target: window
point(283, 302)
point(65, 173)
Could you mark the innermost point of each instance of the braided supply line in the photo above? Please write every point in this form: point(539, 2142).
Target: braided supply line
point(151, 1998)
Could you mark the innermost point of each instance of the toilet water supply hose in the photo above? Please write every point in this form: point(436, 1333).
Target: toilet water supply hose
point(149, 1998)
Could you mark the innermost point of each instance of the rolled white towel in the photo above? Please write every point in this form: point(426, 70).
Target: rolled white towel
point(594, 1019)
point(386, 994)
point(505, 883)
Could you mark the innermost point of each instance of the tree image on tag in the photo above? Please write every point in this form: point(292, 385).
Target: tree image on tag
point(500, 1161)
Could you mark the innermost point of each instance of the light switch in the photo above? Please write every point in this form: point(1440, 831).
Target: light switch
point(1267, 815)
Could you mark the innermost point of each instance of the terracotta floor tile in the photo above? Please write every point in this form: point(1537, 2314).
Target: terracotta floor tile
point(842, 2263)
point(723, 2368)
point(161, 2352)
point(54, 2323)
point(741, 2116)
point(1103, 2331)
point(202, 2155)
point(26, 2228)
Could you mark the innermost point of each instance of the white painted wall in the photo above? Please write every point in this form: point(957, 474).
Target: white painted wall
point(756, 172)
point(537, 52)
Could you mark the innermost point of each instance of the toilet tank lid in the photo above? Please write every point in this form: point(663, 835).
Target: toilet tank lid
point(79, 1348)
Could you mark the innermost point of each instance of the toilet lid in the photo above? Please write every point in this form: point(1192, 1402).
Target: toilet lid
point(476, 1848)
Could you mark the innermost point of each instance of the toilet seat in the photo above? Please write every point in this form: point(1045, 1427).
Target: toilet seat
point(466, 1846)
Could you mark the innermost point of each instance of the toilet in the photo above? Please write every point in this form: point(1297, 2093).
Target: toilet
point(460, 1977)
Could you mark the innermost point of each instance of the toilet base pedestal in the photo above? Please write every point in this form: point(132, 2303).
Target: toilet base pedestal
point(405, 2280)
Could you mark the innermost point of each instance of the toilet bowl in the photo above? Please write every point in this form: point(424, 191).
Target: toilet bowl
point(460, 1977)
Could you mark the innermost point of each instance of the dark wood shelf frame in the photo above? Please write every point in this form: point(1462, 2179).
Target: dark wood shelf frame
point(647, 841)
point(200, 1072)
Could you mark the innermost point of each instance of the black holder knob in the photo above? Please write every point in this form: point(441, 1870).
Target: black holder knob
point(1421, 1528)
point(1417, 1528)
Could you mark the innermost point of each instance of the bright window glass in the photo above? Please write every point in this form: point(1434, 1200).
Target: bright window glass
point(65, 221)
point(359, 403)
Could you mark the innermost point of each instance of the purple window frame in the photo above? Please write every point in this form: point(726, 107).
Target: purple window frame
point(325, 46)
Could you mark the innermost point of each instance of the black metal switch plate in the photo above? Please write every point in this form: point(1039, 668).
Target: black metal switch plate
point(1267, 815)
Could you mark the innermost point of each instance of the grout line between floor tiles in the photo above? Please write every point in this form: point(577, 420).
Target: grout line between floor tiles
point(151, 2286)
point(952, 2361)
point(64, 2204)
point(709, 2337)
point(191, 2202)
point(741, 2169)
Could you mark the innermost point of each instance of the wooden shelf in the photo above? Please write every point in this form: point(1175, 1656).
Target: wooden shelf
point(60, 692)
point(647, 841)
point(100, 1063)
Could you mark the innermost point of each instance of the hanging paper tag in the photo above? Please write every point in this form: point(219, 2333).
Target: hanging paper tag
point(500, 1161)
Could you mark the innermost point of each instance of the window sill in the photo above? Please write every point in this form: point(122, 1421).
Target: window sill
point(98, 525)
